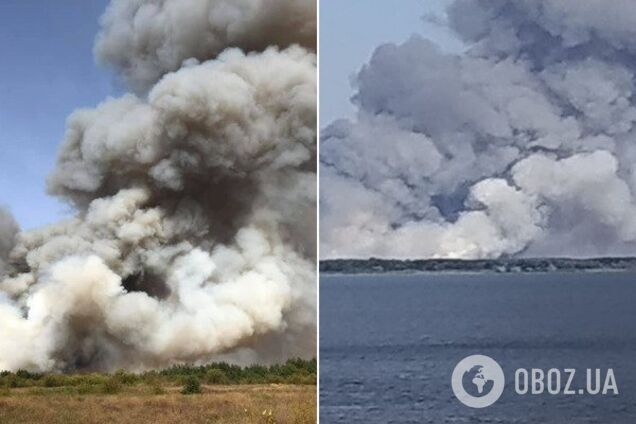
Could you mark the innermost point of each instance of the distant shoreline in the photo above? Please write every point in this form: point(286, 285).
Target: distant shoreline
point(517, 265)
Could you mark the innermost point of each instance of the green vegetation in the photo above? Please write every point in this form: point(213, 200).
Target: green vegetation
point(294, 371)
point(374, 265)
point(191, 386)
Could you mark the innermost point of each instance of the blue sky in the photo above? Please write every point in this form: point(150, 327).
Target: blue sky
point(47, 70)
point(349, 32)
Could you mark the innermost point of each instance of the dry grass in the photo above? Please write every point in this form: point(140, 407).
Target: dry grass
point(289, 404)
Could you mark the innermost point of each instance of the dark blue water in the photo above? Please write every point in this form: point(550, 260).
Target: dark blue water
point(389, 343)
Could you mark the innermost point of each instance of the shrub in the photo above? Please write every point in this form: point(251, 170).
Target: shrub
point(52, 380)
point(157, 389)
point(126, 378)
point(216, 376)
point(84, 388)
point(111, 386)
point(191, 386)
point(93, 379)
point(13, 381)
point(293, 371)
point(26, 375)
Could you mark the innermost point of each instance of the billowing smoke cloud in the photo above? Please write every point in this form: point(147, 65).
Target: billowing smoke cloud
point(521, 145)
point(144, 39)
point(194, 238)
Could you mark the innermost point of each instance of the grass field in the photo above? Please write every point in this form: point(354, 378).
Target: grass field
point(246, 403)
point(213, 393)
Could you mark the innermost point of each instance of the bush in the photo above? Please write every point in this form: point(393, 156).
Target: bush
point(191, 386)
point(93, 379)
point(52, 380)
point(13, 381)
point(157, 389)
point(85, 388)
point(111, 386)
point(216, 376)
point(126, 378)
point(294, 371)
point(24, 374)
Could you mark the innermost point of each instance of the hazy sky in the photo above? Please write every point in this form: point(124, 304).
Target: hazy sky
point(47, 71)
point(350, 31)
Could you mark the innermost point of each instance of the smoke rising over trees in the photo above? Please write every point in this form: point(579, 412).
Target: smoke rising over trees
point(194, 237)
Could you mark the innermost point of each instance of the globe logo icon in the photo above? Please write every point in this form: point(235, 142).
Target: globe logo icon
point(478, 381)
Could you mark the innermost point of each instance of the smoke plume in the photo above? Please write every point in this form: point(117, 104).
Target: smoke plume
point(145, 39)
point(521, 145)
point(194, 237)
point(8, 232)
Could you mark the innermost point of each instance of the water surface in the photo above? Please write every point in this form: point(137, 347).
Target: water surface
point(389, 343)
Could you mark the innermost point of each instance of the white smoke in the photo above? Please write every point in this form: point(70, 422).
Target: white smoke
point(194, 237)
point(521, 145)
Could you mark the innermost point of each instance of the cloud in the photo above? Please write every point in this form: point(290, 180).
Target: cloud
point(444, 144)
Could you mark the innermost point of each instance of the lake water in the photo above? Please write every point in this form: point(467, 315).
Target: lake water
point(389, 344)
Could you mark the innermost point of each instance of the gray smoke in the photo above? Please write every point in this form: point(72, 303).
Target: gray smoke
point(521, 145)
point(8, 231)
point(194, 237)
point(144, 39)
